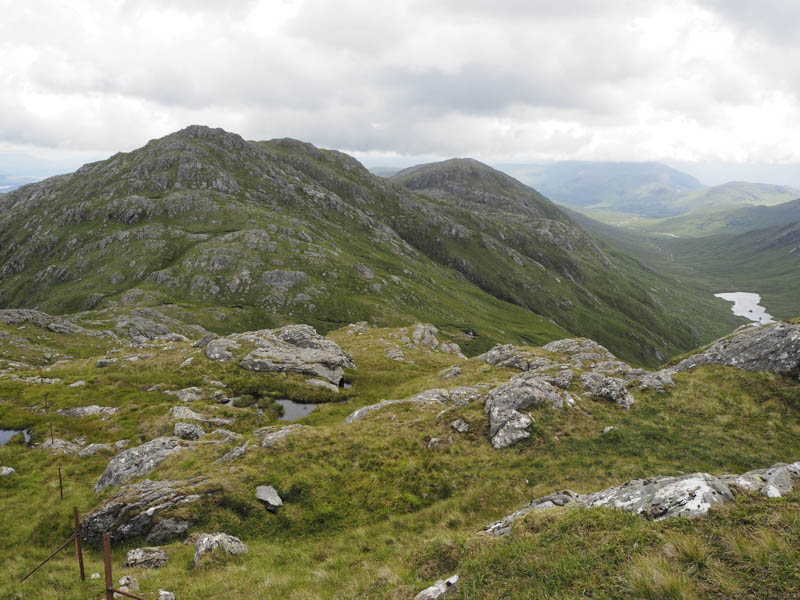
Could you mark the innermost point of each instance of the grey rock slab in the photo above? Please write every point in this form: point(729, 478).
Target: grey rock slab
point(59, 446)
point(774, 348)
point(188, 431)
point(237, 452)
point(323, 384)
point(145, 558)
point(186, 413)
point(458, 396)
point(93, 449)
point(209, 543)
point(441, 589)
point(450, 372)
point(270, 497)
point(88, 411)
point(138, 461)
point(603, 387)
point(167, 529)
point(190, 394)
point(293, 349)
point(272, 435)
point(104, 362)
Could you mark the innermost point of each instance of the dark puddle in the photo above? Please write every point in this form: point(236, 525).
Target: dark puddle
point(294, 410)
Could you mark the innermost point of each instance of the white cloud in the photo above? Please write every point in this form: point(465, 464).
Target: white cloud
point(510, 79)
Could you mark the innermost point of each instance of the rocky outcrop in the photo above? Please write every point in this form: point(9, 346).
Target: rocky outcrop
point(210, 543)
point(59, 446)
point(659, 498)
point(507, 424)
point(581, 352)
point(272, 435)
point(20, 316)
point(93, 449)
point(292, 349)
point(190, 394)
point(145, 558)
point(138, 461)
point(88, 411)
point(138, 509)
point(188, 431)
point(603, 387)
point(456, 396)
point(443, 588)
point(774, 348)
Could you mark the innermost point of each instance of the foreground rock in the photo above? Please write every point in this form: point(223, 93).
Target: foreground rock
point(140, 510)
point(457, 396)
point(659, 498)
point(137, 462)
point(145, 558)
point(507, 425)
point(774, 348)
point(210, 543)
point(270, 497)
point(603, 387)
point(441, 589)
point(292, 349)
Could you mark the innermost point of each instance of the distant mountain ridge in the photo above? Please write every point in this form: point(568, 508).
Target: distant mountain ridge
point(288, 232)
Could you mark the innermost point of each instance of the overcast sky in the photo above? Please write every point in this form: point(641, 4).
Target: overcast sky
point(704, 82)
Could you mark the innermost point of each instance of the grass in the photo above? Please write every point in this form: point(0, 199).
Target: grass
point(372, 512)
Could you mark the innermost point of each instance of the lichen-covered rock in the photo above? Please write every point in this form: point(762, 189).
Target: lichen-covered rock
point(88, 411)
point(136, 462)
point(774, 348)
point(657, 380)
point(507, 424)
point(7, 471)
point(138, 509)
point(460, 425)
point(293, 348)
point(441, 589)
point(603, 387)
point(145, 558)
point(508, 355)
point(190, 394)
point(188, 431)
point(659, 498)
point(208, 543)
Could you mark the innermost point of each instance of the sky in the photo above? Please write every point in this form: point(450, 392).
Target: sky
point(710, 86)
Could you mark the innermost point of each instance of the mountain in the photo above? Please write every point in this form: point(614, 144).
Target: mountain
point(645, 188)
point(280, 231)
point(384, 171)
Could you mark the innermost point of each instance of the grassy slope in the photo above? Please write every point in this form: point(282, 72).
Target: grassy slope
point(372, 512)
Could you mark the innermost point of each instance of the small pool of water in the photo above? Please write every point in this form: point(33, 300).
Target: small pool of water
point(7, 434)
point(294, 410)
point(746, 304)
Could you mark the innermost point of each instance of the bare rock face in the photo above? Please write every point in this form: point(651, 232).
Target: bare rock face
point(659, 498)
point(774, 348)
point(145, 558)
point(443, 588)
point(603, 387)
point(137, 462)
point(140, 510)
point(209, 543)
point(293, 349)
point(507, 424)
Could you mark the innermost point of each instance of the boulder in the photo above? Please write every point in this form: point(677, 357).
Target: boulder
point(270, 498)
point(88, 411)
point(145, 558)
point(441, 589)
point(125, 584)
point(6, 471)
point(507, 424)
point(581, 352)
point(139, 509)
point(460, 425)
point(167, 529)
point(774, 348)
point(59, 446)
point(211, 543)
point(165, 595)
point(138, 461)
point(293, 349)
point(104, 362)
point(93, 449)
point(190, 394)
point(188, 431)
point(603, 387)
